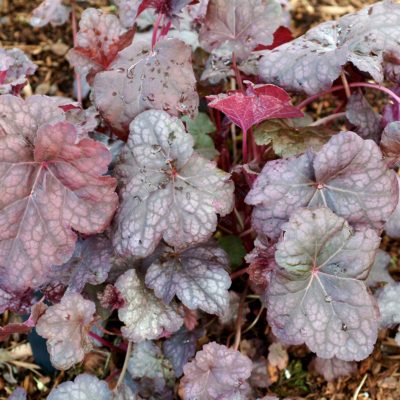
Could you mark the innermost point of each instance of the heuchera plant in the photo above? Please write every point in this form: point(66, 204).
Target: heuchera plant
point(123, 215)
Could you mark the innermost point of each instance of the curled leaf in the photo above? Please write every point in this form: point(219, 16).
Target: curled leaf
point(98, 42)
point(50, 12)
point(354, 183)
point(84, 387)
point(144, 315)
point(197, 276)
point(140, 79)
point(239, 26)
point(15, 67)
point(258, 103)
point(66, 326)
point(167, 191)
point(313, 61)
point(318, 295)
point(216, 373)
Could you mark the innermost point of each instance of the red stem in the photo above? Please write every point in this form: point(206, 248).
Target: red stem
point(241, 272)
point(165, 29)
point(74, 34)
point(357, 84)
point(244, 146)
point(237, 73)
point(155, 30)
point(104, 342)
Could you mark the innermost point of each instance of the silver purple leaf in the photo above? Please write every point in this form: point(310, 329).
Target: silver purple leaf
point(332, 368)
point(66, 326)
point(318, 295)
point(84, 387)
point(392, 226)
point(140, 79)
point(366, 120)
point(388, 301)
point(167, 190)
point(18, 394)
point(181, 347)
point(390, 143)
point(50, 12)
point(379, 271)
point(239, 26)
point(148, 362)
point(347, 175)
point(313, 61)
point(197, 276)
point(216, 372)
point(90, 263)
point(15, 67)
point(127, 11)
point(144, 315)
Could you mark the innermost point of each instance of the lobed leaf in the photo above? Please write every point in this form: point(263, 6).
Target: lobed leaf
point(313, 61)
point(239, 26)
point(52, 184)
point(318, 295)
point(332, 368)
point(148, 362)
point(390, 143)
point(15, 67)
point(90, 263)
point(167, 191)
point(197, 276)
point(347, 175)
point(50, 12)
point(366, 120)
point(216, 373)
point(66, 326)
point(101, 36)
point(181, 347)
point(379, 271)
point(388, 301)
point(84, 387)
point(140, 79)
point(258, 103)
point(145, 317)
point(288, 140)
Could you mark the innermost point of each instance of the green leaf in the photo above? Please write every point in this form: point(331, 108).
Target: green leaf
point(235, 249)
point(288, 140)
point(200, 128)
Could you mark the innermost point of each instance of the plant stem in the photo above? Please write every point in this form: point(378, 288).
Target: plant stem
point(328, 118)
point(103, 341)
point(155, 30)
point(237, 73)
point(345, 84)
point(252, 325)
point(239, 319)
point(125, 366)
point(244, 146)
point(74, 35)
point(384, 89)
point(241, 272)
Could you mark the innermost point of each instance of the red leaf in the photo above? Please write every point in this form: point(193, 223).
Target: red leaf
point(281, 36)
point(257, 104)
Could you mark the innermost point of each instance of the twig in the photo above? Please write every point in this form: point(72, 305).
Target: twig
point(359, 387)
point(125, 366)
